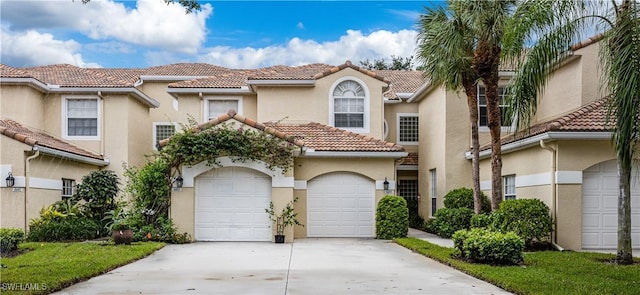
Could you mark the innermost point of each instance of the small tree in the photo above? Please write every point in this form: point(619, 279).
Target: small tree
point(392, 218)
point(98, 190)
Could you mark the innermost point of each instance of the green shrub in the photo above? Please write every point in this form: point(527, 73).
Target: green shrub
point(392, 218)
point(430, 225)
point(463, 198)
point(98, 190)
point(415, 221)
point(10, 238)
point(528, 218)
point(448, 221)
point(69, 228)
point(163, 230)
point(481, 221)
point(490, 247)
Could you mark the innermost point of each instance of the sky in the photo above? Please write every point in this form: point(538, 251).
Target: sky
point(234, 34)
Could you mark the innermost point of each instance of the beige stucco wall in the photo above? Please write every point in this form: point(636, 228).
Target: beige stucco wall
point(312, 103)
point(572, 156)
point(391, 111)
point(23, 104)
point(45, 182)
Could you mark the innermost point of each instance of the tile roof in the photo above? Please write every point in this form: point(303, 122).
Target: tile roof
point(16, 131)
point(402, 81)
point(591, 117)
point(186, 69)
point(65, 75)
point(410, 160)
point(11, 72)
point(226, 80)
point(316, 136)
point(320, 137)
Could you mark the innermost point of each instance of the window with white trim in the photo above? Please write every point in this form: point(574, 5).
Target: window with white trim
point(81, 118)
point(408, 129)
point(162, 131)
point(434, 191)
point(68, 187)
point(349, 105)
point(408, 188)
point(509, 187)
point(483, 113)
point(215, 107)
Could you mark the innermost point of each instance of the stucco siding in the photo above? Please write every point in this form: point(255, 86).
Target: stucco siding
point(23, 104)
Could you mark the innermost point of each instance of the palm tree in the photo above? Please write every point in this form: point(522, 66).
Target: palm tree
point(445, 52)
point(620, 58)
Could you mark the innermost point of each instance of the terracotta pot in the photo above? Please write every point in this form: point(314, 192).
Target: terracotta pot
point(122, 236)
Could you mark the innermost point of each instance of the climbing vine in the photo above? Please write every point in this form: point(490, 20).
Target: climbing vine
point(193, 146)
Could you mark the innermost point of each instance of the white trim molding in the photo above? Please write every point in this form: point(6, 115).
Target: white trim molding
point(398, 116)
point(299, 184)
point(569, 177)
point(561, 177)
point(65, 117)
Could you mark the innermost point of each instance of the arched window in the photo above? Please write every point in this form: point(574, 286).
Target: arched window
point(349, 99)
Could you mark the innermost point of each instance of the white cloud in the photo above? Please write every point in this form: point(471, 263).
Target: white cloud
point(300, 26)
point(353, 46)
point(32, 48)
point(151, 23)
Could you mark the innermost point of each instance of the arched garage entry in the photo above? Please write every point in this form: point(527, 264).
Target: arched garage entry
point(341, 204)
point(230, 205)
point(600, 207)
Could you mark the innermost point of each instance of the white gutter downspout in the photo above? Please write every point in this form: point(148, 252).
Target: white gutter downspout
point(554, 193)
point(27, 174)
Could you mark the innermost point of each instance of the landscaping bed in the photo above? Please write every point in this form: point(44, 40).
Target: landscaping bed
point(545, 272)
point(43, 268)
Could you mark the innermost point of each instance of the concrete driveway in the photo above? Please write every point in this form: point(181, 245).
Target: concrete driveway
point(308, 266)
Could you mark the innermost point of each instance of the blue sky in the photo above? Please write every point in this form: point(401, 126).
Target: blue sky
point(236, 34)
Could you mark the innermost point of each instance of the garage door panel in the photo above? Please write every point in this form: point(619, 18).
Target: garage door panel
point(340, 205)
point(230, 205)
point(600, 208)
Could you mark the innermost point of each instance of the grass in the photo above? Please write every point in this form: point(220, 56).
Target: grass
point(47, 267)
point(548, 272)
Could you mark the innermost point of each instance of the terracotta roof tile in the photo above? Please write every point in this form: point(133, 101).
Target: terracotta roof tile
point(402, 81)
point(186, 69)
point(11, 72)
point(16, 131)
point(316, 136)
point(410, 160)
point(321, 137)
point(65, 75)
point(588, 118)
point(226, 80)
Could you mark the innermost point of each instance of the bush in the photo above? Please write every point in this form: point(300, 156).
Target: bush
point(485, 246)
point(10, 238)
point(98, 190)
point(163, 230)
point(392, 218)
point(448, 221)
point(528, 218)
point(481, 221)
point(69, 228)
point(430, 226)
point(463, 198)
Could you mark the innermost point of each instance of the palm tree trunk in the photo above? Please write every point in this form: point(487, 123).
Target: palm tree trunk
point(624, 213)
point(472, 101)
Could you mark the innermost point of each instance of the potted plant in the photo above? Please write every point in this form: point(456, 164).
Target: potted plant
point(288, 217)
point(118, 225)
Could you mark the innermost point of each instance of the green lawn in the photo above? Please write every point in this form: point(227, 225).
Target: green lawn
point(549, 272)
point(48, 267)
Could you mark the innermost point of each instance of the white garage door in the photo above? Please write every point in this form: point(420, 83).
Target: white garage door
point(230, 205)
point(600, 208)
point(341, 205)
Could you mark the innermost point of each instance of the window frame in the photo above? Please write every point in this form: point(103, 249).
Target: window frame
point(503, 104)
point(507, 194)
point(433, 190)
point(367, 107)
point(401, 115)
point(154, 131)
point(411, 179)
point(66, 187)
point(208, 99)
point(65, 117)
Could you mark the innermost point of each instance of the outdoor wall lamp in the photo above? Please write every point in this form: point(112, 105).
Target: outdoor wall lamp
point(179, 181)
point(11, 181)
point(385, 185)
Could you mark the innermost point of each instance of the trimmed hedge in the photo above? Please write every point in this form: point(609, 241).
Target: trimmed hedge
point(449, 220)
point(481, 221)
point(463, 198)
point(10, 238)
point(392, 218)
point(70, 228)
point(489, 247)
point(528, 218)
